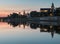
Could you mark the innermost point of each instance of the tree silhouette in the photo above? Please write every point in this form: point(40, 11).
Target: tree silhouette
point(14, 15)
point(34, 14)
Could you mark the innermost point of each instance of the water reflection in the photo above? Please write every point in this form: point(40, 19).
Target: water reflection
point(44, 26)
point(52, 27)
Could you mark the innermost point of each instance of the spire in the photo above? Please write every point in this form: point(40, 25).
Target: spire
point(24, 12)
point(52, 5)
point(52, 9)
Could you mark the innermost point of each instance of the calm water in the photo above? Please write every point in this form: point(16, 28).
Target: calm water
point(30, 33)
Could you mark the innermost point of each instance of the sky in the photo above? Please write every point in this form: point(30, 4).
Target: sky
point(10, 6)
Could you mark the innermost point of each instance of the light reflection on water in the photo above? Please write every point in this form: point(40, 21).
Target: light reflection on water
point(26, 34)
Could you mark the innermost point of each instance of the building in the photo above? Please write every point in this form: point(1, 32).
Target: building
point(48, 11)
point(58, 11)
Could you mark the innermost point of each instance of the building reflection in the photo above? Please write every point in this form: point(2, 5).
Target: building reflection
point(51, 29)
point(45, 26)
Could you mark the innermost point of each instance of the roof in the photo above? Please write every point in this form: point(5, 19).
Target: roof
point(45, 8)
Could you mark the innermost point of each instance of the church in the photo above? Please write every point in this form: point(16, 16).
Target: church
point(48, 11)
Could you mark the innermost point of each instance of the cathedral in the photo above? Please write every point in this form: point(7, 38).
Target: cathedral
point(48, 11)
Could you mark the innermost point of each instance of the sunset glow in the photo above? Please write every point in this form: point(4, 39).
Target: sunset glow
point(10, 6)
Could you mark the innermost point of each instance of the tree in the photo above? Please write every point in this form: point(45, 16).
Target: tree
point(34, 14)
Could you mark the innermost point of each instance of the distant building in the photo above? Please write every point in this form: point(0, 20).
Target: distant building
point(48, 11)
point(58, 11)
point(24, 12)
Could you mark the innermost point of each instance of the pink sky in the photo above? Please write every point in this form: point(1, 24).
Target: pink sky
point(10, 6)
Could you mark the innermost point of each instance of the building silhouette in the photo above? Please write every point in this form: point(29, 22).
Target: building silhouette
point(48, 11)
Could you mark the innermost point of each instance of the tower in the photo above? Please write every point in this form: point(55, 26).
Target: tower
point(52, 9)
point(24, 12)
